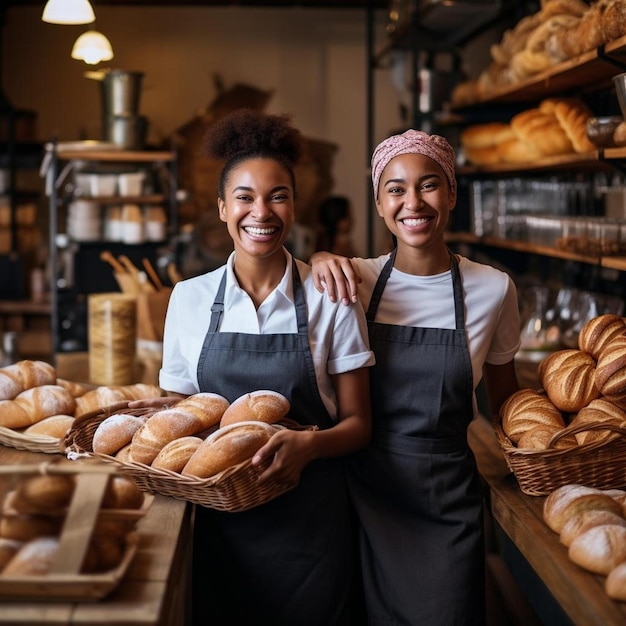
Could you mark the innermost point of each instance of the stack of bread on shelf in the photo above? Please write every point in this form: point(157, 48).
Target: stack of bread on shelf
point(201, 435)
point(560, 30)
point(35, 402)
point(556, 126)
point(579, 387)
point(591, 524)
point(33, 514)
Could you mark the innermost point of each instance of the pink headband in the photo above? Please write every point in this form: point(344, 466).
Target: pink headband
point(414, 142)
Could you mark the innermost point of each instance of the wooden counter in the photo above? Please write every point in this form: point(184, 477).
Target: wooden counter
point(154, 591)
point(579, 593)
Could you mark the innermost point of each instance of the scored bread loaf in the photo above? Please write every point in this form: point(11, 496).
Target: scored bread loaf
point(578, 524)
point(568, 377)
point(115, 431)
point(598, 333)
point(227, 447)
point(539, 438)
point(598, 411)
point(615, 583)
point(611, 368)
point(190, 416)
point(599, 549)
point(23, 375)
point(175, 454)
point(34, 558)
point(526, 409)
point(262, 405)
point(54, 426)
point(569, 500)
point(76, 389)
point(35, 404)
point(105, 395)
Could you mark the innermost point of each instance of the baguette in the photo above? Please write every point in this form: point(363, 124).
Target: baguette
point(23, 375)
point(35, 404)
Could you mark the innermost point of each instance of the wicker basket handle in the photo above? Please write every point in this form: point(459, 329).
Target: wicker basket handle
point(572, 430)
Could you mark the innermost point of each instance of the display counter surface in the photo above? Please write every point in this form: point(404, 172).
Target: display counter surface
point(154, 591)
point(579, 593)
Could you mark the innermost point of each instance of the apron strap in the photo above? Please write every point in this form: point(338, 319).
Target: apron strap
point(217, 308)
point(457, 288)
point(380, 287)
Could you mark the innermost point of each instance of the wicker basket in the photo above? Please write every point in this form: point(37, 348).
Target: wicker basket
point(234, 489)
point(599, 464)
point(31, 443)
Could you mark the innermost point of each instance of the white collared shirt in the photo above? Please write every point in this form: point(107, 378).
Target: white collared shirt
point(337, 334)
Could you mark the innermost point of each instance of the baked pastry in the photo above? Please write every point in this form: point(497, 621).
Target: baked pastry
point(572, 114)
point(35, 404)
point(599, 549)
point(615, 583)
point(23, 375)
point(227, 447)
point(34, 558)
point(542, 130)
point(263, 405)
point(539, 438)
point(54, 426)
point(175, 454)
point(598, 332)
point(598, 411)
point(8, 549)
point(47, 492)
point(526, 409)
point(115, 431)
point(611, 368)
point(122, 493)
point(568, 377)
point(578, 524)
point(613, 20)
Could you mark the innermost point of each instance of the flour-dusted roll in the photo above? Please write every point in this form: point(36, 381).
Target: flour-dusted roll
point(599, 549)
point(578, 524)
point(227, 447)
point(23, 375)
point(526, 409)
point(35, 404)
point(262, 405)
point(98, 398)
point(570, 500)
point(598, 411)
point(598, 332)
point(175, 454)
point(34, 558)
point(54, 426)
point(568, 377)
point(615, 583)
point(115, 431)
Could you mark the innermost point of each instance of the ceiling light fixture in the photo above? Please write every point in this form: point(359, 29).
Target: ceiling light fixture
point(92, 47)
point(68, 12)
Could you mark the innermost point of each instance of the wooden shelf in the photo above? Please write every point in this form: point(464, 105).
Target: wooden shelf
point(117, 156)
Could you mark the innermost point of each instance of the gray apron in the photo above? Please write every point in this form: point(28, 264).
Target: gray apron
point(290, 561)
point(416, 487)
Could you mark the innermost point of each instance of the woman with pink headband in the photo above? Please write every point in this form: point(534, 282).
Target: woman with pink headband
point(438, 323)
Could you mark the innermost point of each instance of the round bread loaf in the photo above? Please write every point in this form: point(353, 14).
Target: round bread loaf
point(570, 500)
point(263, 405)
point(568, 377)
point(227, 447)
point(27, 527)
point(599, 549)
point(611, 368)
point(115, 431)
point(582, 522)
point(526, 409)
point(34, 558)
point(47, 492)
point(598, 411)
point(122, 493)
point(615, 583)
point(108, 552)
point(598, 332)
point(55, 426)
point(175, 454)
point(539, 437)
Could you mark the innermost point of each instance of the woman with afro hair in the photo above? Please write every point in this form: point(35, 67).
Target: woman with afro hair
point(259, 323)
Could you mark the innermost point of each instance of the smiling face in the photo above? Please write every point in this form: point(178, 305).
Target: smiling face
point(415, 201)
point(258, 207)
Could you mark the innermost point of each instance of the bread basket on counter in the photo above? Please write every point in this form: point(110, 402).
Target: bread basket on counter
point(600, 464)
point(234, 489)
point(30, 443)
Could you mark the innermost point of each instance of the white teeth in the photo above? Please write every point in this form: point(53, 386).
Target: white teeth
point(259, 231)
point(414, 221)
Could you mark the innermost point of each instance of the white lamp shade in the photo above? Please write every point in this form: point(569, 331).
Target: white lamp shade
point(92, 47)
point(68, 12)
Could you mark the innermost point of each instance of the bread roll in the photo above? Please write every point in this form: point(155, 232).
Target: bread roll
point(486, 135)
point(124, 455)
point(611, 368)
point(35, 404)
point(122, 493)
point(263, 405)
point(598, 333)
point(582, 522)
point(34, 558)
point(108, 553)
point(539, 437)
point(615, 583)
point(227, 447)
point(526, 409)
point(76, 389)
point(572, 114)
point(568, 377)
point(27, 527)
point(619, 495)
point(47, 492)
point(570, 500)
point(54, 426)
point(98, 398)
point(518, 151)
point(23, 375)
point(599, 549)
point(175, 454)
point(190, 416)
point(115, 432)
point(597, 412)
point(8, 549)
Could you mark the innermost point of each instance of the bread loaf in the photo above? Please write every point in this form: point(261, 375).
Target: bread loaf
point(8, 549)
point(47, 492)
point(263, 405)
point(107, 551)
point(23, 375)
point(122, 493)
point(190, 416)
point(582, 522)
point(227, 447)
point(518, 151)
point(76, 389)
point(611, 368)
point(526, 409)
point(569, 500)
point(114, 432)
point(615, 583)
point(27, 527)
point(597, 412)
point(572, 114)
point(175, 454)
point(598, 332)
point(35, 404)
point(54, 426)
point(34, 558)
point(568, 377)
point(103, 396)
point(619, 495)
point(599, 549)
point(539, 437)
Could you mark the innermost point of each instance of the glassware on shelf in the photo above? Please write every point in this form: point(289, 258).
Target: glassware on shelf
point(539, 333)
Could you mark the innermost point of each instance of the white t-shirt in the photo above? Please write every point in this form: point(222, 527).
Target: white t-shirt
point(491, 309)
point(337, 334)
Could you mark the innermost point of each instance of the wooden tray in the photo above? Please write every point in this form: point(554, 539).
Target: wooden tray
point(64, 582)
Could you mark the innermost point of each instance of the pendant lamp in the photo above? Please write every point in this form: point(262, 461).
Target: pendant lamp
point(68, 12)
point(92, 47)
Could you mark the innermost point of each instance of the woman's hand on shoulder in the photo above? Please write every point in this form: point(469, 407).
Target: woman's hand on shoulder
point(336, 275)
